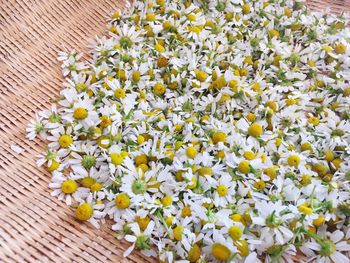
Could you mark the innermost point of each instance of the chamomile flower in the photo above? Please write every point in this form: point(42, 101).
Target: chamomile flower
point(327, 249)
point(270, 216)
point(35, 127)
point(225, 190)
point(90, 211)
point(218, 247)
point(127, 36)
point(66, 189)
point(141, 240)
point(70, 62)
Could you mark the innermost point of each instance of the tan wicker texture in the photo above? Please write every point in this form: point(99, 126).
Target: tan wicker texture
point(35, 227)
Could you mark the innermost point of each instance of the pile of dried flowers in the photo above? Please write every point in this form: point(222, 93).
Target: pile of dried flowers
point(209, 131)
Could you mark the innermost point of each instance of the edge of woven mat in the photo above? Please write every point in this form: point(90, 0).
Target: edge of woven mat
point(33, 225)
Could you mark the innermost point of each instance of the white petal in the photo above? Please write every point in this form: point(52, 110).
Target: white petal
point(130, 238)
point(337, 236)
point(339, 258)
point(129, 250)
point(16, 148)
point(252, 258)
point(149, 229)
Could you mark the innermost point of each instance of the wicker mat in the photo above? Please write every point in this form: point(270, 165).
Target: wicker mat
point(35, 227)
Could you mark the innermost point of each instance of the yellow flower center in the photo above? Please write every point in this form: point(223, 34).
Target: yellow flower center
point(311, 63)
point(205, 171)
point(256, 87)
point(178, 176)
point(177, 232)
point(287, 12)
point(271, 172)
point(255, 130)
point(195, 29)
point(201, 75)
point(178, 127)
point(329, 156)
point(80, 113)
point(305, 209)
point(54, 165)
point(167, 25)
point(340, 48)
point(337, 162)
point(169, 220)
point(140, 139)
point(159, 48)
point(244, 167)
point(260, 185)
point(272, 105)
point(219, 137)
point(220, 252)
point(116, 158)
point(278, 142)
point(191, 152)
point(153, 183)
point(225, 97)
point(122, 201)
point(116, 15)
point(162, 62)
point(159, 89)
point(305, 179)
point(242, 247)
point(219, 83)
point(314, 121)
point(246, 9)
point(346, 92)
point(220, 155)
point(103, 142)
point(69, 186)
point(84, 212)
point(249, 155)
point(143, 222)
point(150, 17)
point(328, 49)
point(167, 200)
point(105, 121)
point(65, 140)
point(194, 254)
point(235, 233)
point(318, 221)
point(320, 169)
point(293, 160)
point(81, 86)
point(251, 117)
point(222, 190)
point(160, 2)
point(236, 217)
point(306, 147)
point(136, 75)
point(141, 159)
point(233, 84)
point(143, 167)
point(186, 211)
point(119, 93)
point(87, 182)
point(191, 17)
point(96, 187)
point(229, 16)
point(274, 33)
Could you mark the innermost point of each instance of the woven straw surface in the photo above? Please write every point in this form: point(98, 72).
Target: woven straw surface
point(35, 227)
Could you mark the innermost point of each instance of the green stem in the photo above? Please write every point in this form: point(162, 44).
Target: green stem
point(161, 218)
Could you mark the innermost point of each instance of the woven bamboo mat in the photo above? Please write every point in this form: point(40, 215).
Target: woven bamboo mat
point(35, 227)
